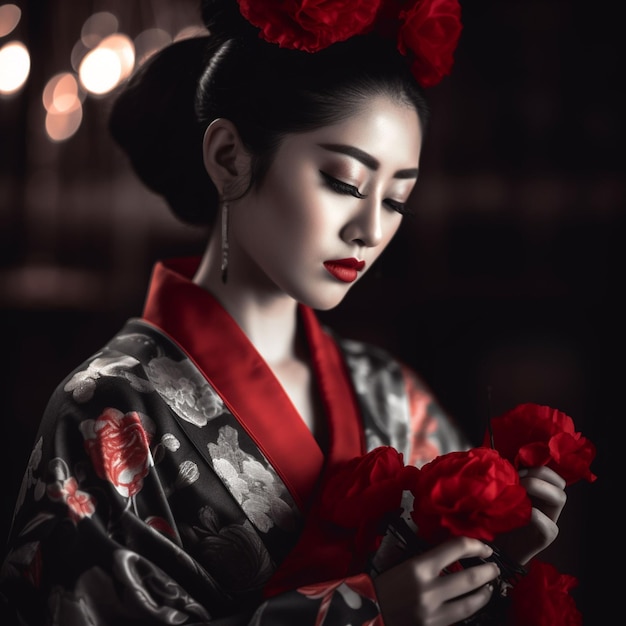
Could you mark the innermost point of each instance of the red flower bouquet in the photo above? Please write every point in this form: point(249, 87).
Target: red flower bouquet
point(373, 511)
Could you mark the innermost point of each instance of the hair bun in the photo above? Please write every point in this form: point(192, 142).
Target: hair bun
point(153, 120)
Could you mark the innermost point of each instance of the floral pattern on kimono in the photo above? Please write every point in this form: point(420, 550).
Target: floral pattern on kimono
point(150, 498)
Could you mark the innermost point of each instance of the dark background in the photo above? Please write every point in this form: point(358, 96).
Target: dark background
point(506, 286)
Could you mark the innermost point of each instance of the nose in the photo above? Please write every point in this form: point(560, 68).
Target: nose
point(365, 226)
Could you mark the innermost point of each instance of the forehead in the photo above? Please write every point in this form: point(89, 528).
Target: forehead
point(387, 129)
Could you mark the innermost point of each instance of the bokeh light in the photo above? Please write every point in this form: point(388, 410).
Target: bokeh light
point(61, 93)
point(10, 15)
point(61, 126)
point(104, 67)
point(14, 67)
point(124, 48)
point(100, 71)
point(97, 27)
point(102, 57)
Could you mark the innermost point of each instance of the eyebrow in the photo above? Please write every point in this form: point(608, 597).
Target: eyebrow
point(367, 159)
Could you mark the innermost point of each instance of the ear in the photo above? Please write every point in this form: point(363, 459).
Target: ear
point(225, 158)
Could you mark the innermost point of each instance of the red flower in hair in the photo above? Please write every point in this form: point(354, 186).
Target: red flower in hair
point(309, 25)
point(429, 35)
point(427, 31)
point(530, 435)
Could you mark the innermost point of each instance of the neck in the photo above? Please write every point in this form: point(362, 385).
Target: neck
point(267, 316)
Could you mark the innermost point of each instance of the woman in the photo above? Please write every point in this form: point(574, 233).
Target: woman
point(173, 470)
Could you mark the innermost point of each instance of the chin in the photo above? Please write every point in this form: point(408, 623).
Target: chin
point(324, 303)
point(323, 297)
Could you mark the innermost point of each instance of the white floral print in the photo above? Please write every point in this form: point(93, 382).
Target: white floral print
point(82, 385)
point(256, 488)
point(184, 390)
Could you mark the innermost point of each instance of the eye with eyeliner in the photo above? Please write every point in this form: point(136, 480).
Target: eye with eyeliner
point(345, 188)
point(339, 186)
point(400, 207)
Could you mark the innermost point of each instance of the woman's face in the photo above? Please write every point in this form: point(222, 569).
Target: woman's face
point(329, 205)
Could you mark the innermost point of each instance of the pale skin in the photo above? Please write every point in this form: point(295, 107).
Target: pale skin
point(280, 235)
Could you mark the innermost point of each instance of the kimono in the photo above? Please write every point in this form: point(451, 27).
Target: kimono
point(171, 473)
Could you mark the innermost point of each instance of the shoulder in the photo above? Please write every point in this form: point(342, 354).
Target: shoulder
point(117, 375)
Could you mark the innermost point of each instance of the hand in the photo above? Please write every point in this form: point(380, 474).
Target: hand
point(546, 490)
point(414, 593)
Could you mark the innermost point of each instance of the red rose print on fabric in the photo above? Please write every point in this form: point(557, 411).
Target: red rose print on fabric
point(119, 446)
point(79, 503)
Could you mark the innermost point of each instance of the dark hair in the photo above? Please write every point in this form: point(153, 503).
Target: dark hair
point(266, 91)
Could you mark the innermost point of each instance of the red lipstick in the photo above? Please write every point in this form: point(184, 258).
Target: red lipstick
point(345, 270)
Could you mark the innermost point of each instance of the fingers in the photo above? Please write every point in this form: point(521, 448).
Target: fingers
point(416, 592)
point(546, 490)
point(464, 581)
point(462, 608)
point(430, 564)
point(522, 544)
point(544, 473)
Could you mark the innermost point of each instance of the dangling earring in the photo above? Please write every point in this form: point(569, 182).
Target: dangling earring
point(224, 267)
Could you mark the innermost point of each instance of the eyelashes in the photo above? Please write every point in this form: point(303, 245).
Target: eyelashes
point(344, 188)
point(341, 187)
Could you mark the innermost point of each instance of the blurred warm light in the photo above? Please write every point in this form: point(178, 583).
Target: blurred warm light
point(14, 67)
point(150, 41)
point(60, 95)
point(61, 126)
point(123, 46)
point(104, 67)
point(10, 15)
point(97, 27)
point(100, 71)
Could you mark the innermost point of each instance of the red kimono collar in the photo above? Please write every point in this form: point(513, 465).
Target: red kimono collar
point(195, 320)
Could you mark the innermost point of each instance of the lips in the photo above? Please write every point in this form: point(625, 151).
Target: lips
point(345, 270)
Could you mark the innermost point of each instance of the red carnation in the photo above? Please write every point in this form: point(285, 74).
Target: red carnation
point(356, 486)
point(357, 495)
point(344, 524)
point(475, 493)
point(309, 25)
point(531, 435)
point(542, 598)
point(429, 33)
